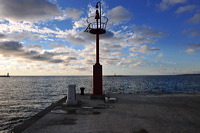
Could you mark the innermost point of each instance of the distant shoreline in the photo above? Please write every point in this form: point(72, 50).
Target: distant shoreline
point(4, 76)
point(92, 75)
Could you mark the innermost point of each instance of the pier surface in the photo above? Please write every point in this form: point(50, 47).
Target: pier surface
point(168, 113)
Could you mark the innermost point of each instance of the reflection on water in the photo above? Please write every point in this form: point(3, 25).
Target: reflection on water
point(22, 97)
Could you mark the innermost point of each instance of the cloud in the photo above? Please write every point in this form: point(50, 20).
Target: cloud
point(71, 58)
point(2, 36)
point(107, 35)
point(8, 48)
point(23, 35)
point(117, 53)
point(88, 62)
point(140, 63)
point(195, 19)
point(89, 48)
point(194, 45)
point(186, 8)
point(56, 45)
point(190, 50)
point(111, 61)
point(192, 32)
point(111, 46)
point(104, 51)
point(80, 23)
point(136, 40)
point(80, 68)
point(119, 14)
point(160, 55)
point(133, 55)
point(16, 49)
point(165, 4)
point(147, 31)
point(34, 47)
point(28, 10)
point(143, 49)
point(70, 13)
point(75, 39)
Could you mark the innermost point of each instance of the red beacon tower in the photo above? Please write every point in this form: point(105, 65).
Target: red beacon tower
point(97, 25)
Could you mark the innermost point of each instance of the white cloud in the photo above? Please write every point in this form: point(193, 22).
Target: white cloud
point(80, 68)
point(80, 23)
point(160, 55)
point(140, 63)
point(22, 35)
point(186, 8)
point(117, 53)
point(119, 14)
point(165, 4)
point(144, 49)
point(28, 10)
point(190, 50)
point(134, 55)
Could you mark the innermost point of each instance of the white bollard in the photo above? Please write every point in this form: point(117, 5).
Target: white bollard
point(71, 95)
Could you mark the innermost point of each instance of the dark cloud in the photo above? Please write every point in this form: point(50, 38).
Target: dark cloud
point(119, 14)
point(12, 48)
point(2, 36)
point(56, 61)
point(75, 39)
point(194, 45)
point(71, 58)
point(28, 10)
point(107, 35)
point(115, 47)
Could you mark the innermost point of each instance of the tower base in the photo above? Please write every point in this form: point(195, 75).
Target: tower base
point(97, 81)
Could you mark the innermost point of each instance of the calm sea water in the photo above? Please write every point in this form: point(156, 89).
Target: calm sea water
point(22, 97)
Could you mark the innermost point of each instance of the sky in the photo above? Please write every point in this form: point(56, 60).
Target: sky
point(143, 37)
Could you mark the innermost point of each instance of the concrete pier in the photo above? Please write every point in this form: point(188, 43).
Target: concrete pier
point(168, 113)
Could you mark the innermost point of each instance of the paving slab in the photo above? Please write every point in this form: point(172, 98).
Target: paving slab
point(167, 113)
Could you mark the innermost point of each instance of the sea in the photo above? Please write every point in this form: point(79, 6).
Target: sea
point(22, 97)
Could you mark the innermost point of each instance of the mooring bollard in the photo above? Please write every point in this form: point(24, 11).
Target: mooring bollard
point(82, 90)
point(71, 95)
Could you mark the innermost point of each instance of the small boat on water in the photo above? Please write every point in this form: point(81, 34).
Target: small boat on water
point(5, 75)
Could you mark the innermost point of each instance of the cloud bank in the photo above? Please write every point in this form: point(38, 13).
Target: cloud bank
point(28, 10)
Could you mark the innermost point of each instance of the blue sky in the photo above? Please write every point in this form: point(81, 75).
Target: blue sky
point(144, 37)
